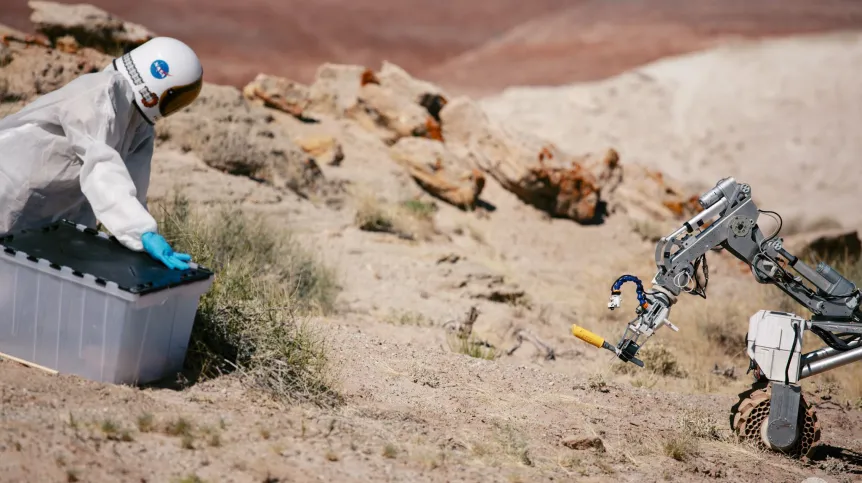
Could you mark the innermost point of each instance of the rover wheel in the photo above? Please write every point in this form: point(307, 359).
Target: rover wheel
point(750, 417)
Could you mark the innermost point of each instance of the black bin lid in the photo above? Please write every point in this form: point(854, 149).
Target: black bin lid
point(63, 244)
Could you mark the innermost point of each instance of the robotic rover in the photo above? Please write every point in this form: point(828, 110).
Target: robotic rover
point(773, 412)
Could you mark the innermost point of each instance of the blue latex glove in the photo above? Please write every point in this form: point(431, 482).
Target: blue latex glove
point(161, 250)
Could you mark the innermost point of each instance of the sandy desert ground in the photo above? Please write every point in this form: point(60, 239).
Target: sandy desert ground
point(415, 409)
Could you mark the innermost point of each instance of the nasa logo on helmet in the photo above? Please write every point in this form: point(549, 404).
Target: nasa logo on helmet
point(159, 69)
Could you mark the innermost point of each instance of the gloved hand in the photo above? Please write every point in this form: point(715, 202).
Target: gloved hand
point(161, 250)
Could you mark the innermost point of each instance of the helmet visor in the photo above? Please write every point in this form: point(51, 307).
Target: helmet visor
point(179, 97)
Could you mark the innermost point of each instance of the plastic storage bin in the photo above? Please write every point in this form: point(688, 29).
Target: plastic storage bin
point(76, 301)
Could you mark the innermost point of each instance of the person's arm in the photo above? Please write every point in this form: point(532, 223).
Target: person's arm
point(139, 163)
point(92, 125)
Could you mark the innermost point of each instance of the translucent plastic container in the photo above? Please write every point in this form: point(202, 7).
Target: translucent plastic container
point(76, 301)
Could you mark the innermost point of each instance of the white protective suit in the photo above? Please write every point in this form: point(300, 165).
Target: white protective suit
point(81, 152)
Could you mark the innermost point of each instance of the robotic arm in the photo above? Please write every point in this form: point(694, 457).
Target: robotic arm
point(729, 221)
point(774, 340)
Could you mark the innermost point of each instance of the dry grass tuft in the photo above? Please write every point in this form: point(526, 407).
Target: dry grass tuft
point(700, 424)
point(472, 347)
point(390, 451)
point(420, 209)
point(408, 318)
point(680, 446)
point(145, 423)
point(505, 446)
point(114, 432)
point(411, 220)
point(658, 359)
point(250, 320)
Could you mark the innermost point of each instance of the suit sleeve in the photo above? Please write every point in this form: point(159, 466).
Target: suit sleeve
point(139, 164)
point(91, 124)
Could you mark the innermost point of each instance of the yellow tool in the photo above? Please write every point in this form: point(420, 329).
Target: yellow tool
point(598, 341)
point(587, 336)
point(591, 338)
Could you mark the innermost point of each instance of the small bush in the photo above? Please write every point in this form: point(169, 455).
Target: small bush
point(699, 424)
point(420, 209)
point(179, 427)
point(657, 359)
point(390, 451)
point(145, 423)
point(407, 318)
point(249, 320)
point(680, 447)
point(472, 347)
point(409, 221)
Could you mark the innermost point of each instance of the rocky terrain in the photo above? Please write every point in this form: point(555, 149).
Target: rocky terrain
point(769, 113)
point(473, 47)
point(506, 218)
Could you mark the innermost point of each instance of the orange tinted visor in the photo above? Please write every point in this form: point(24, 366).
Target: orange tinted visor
point(179, 97)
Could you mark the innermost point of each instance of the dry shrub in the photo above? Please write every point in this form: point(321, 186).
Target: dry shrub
point(506, 445)
point(658, 359)
point(699, 424)
point(409, 220)
point(471, 346)
point(251, 320)
point(408, 318)
point(680, 446)
point(420, 209)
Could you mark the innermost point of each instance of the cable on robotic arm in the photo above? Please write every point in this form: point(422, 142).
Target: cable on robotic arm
point(832, 340)
point(792, 349)
point(698, 288)
point(615, 291)
point(780, 224)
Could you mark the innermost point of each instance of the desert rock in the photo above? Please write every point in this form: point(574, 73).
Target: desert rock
point(403, 84)
point(647, 194)
point(536, 171)
point(439, 171)
point(323, 148)
point(394, 116)
point(278, 93)
point(89, 25)
point(238, 138)
point(32, 70)
point(336, 88)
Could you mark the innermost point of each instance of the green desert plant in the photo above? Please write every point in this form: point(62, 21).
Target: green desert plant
point(252, 319)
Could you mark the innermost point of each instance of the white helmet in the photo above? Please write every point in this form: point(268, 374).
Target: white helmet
point(166, 75)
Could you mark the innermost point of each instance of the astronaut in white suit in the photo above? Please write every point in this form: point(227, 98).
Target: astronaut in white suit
point(83, 151)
